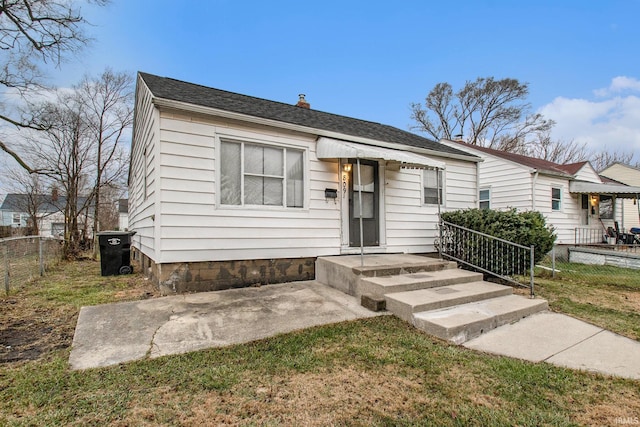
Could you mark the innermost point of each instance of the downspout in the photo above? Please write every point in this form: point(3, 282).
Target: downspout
point(439, 213)
point(533, 190)
point(360, 209)
point(478, 187)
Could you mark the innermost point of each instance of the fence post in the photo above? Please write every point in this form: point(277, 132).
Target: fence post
point(6, 269)
point(532, 255)
point(553, 261)
point(40, 257)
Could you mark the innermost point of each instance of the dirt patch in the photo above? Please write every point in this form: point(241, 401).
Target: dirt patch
point(33, 326)
point(27, 332)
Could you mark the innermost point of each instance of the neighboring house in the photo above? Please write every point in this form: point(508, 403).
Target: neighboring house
point(123, 214)
point(228, 190)
point(14, 210)
point(50, 215)
point(575, 200)
point(629, 208)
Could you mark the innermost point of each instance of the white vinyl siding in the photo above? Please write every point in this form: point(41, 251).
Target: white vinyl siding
point(517, 186)
point(196, 226)
point(411, 225)
point(143, 173)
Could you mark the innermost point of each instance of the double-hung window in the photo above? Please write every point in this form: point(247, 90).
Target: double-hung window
point(433, 186)
point(261, 175)
point(484, 200)
point(16, 219)
point(556, 198)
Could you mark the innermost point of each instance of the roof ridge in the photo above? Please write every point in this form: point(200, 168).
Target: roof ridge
point(262, 99)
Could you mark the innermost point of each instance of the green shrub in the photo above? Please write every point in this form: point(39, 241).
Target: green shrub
point(524, 228)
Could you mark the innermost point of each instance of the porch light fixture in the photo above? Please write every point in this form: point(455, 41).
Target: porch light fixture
point(346, 167)
point(593, 200)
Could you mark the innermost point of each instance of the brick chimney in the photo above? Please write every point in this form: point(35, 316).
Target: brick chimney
point(302, 103)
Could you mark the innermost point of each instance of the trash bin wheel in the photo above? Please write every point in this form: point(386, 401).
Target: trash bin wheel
point(126, 269)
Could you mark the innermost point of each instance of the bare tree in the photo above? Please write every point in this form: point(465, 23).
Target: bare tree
point(488, 112)
point(603, 159)
point(108, 112)
point(67, 152)
point(33, 33)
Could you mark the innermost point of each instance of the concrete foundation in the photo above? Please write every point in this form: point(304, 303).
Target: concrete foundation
point(173, 278)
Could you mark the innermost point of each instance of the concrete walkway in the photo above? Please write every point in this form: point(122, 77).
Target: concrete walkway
point(116, 333)
point(564, 341)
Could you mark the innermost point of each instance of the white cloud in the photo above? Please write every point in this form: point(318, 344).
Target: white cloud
point(619, 84)
point(611, 122)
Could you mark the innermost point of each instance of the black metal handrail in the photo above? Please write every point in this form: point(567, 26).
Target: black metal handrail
point(485, 253)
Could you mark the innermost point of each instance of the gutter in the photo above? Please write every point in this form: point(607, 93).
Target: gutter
point(179, 105)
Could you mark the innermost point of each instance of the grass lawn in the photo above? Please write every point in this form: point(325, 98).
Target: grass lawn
point(606, 296)
point(377, 371)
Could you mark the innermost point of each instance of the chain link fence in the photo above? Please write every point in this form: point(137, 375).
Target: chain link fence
point(22, 259)
point(615, 264)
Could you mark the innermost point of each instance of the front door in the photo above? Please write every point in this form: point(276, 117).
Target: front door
point(370, 204)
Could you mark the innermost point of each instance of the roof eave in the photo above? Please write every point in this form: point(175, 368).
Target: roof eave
point(194, 108)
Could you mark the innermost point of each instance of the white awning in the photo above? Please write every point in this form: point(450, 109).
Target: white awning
point(619, 190)
point(329, 148)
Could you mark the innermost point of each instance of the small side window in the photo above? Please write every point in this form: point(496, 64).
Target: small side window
point(433, 186)
point(484, 199)
point(556, 198)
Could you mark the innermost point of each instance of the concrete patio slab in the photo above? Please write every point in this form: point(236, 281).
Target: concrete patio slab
point(116, 333)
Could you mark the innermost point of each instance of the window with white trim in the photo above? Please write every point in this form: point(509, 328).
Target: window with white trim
point(261, 175)
point(484, 198)
point(16, 219)
point(556, 198)
point(432, 182)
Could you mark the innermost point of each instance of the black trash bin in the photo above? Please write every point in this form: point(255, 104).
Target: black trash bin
point(115, 252)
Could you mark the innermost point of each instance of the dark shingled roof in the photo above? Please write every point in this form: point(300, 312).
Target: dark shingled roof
point(19, 202)
point(46, 203)
point(176, 90)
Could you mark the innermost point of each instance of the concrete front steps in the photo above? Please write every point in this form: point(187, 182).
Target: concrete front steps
point(431, 294)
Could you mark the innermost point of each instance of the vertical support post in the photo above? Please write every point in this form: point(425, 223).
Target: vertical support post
point(532, 254)
point(553, 261)
point(360, 211)
point(6, 268)
point(439, 213)
point(40, 257)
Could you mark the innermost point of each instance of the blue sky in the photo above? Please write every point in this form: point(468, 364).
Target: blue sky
point(372, 59)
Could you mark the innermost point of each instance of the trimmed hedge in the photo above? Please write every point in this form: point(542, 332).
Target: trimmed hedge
point(525, 228)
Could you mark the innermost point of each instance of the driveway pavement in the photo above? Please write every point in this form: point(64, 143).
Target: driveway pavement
point(114, 333)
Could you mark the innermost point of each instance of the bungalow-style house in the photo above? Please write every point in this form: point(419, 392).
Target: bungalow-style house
point(228, 190)
point(576, 201)
point(14, 212)
point(629, 208)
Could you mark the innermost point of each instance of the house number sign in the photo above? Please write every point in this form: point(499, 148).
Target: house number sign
point(344, 185)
